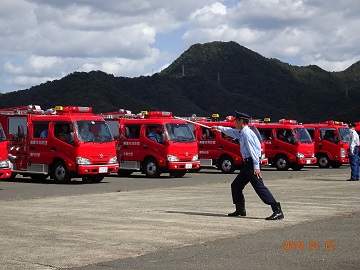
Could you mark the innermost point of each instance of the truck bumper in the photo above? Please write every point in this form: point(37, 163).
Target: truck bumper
point(264, 162)
point(183, 165)
point(97, 169)
point(5, 173)
point(307, 161)
point(344, 160)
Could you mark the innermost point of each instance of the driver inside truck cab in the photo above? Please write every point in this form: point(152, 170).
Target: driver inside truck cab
point(154, 134)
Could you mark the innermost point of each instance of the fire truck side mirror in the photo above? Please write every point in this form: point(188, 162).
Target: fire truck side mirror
point(20, 132)
point(163, 137)
point(71, 137)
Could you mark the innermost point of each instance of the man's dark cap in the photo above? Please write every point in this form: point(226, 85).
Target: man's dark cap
point(242, 115)
point(352, 125)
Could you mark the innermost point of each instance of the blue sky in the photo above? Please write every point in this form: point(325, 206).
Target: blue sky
point(44, 40)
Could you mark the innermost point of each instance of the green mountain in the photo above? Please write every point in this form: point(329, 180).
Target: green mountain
point(216, 77)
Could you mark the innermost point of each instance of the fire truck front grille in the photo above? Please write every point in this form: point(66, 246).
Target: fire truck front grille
point(99, 162)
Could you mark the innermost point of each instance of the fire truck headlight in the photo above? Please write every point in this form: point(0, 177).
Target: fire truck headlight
point(113, 160)
point(172, 158)
point(300, 155)
point(263, 155)
point(82, 161)
point(195, 158)
point(342, 153)
point(4, 163)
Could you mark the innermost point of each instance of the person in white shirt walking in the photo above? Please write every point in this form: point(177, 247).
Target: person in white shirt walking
point(250, 150)
point(354, 153)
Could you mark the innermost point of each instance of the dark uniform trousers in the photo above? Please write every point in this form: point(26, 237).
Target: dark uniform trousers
point(245, 176)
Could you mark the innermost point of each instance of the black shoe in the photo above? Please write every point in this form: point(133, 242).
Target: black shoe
point(240, 211)
point(278, 214)
point(352, 180)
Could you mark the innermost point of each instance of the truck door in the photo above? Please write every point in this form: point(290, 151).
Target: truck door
point(271, 146)
point(208, 146)
point(18, 147)
point(61, 140)
point(39, 146)
point(130, 143)
point(329, 141)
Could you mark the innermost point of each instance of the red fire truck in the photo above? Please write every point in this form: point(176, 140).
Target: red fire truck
point(5, 169)
point(153, 143)
point(331, 143)
point(288, 144)
point(62, 143)
point(217, 150)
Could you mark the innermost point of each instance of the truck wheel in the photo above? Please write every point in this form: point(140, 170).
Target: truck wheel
point(226, 165)
point(282, 163)
point(323, 161)
point(177, 174)
point(60, 173)
point(151, 168)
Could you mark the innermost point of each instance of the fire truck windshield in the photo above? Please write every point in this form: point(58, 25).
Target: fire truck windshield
point(344, 134)
point(93, 131)
point(179, 133)
point(302, 135)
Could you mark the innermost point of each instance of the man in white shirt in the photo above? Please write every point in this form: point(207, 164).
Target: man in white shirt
point(354, 153)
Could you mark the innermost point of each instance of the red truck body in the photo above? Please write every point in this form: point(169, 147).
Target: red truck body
point(283, 151)
point(37, 149)
point(217, 150)
point(175, 152)
point(331, 140)
point(5, 166)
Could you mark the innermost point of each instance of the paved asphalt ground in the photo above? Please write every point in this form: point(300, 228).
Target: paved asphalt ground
point(187, 228)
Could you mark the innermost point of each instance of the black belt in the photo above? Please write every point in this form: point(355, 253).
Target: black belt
point(249, 159)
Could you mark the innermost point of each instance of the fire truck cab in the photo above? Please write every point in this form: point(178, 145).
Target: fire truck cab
point(288, 144)
point(331, 140)
point(153, 142)
point(217, 150)
point(62, 143)
point(5, 167)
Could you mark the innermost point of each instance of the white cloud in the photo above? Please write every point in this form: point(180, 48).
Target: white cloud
point(42, 39)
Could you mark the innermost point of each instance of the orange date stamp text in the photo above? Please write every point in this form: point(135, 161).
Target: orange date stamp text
point(308, 245)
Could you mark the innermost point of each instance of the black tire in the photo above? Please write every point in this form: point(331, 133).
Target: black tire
point(151, 168)
point(323, 161)
point(177, 174)
point(39, 177)
point(124, 173)
point(226, 164)
point(60, 173)
point(282, 163)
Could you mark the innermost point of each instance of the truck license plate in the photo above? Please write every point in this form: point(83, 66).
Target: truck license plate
point(188, 166)
point(308, 161)
point(103, 170)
